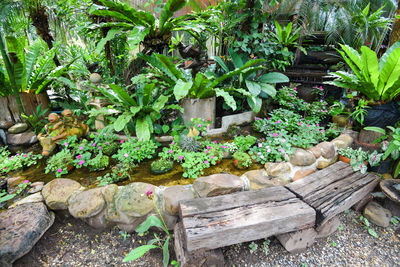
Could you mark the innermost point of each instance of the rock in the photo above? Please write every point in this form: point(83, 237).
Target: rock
point(217, 184)
point(95, 78)
point(57, 192)
point(323, 163)
point(21, 227)
point(316, 151)
point(6, 124)
point(132, 200)
point(170, 220)
point(279, 169)
point(302, 157)
point(18, 128)
point(302, 173)
point(342, 141)
point(259, 179)
point(392, 206)
point(109, 192)
point(376, 214)
point(131, 226)
point(327, 150)
point(87, 203)
point(3, 137)
point(353, 134)
point(99, 221)
point(37, 197)
point(36, 187)
point(13, 183)
point(328, 228)
point(173, 195)
point(22, 139)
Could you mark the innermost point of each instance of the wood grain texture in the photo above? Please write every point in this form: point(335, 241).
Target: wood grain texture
point(236, 218)
point(5, 114)
point(298, 241)
point(333, 189)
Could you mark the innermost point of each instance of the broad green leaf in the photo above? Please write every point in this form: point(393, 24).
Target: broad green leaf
point(168, 11)
point(136, 36)
point(236, 59)
point(138, 252)
point(110, 35)
point(229, 100)
point(166, 252)
point(31, 59)
point(254, 88)
point(373, 233)
point(165, 128)
point(181, 89)
point(254, 103)
point(221, 63)
point(121, 122)
point(151, 221)
point(160, 102)
point(268, 89)
point(375, 129)
point(135, 110)
point(123, 95)
point(370, 65)
point(273, 77)
point(390, 72)
point(382, 61)
point(142, 129)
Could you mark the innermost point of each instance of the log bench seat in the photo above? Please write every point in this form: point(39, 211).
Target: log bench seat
point(295, 213)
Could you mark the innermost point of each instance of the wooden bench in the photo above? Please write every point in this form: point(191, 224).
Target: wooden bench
point(292, 213)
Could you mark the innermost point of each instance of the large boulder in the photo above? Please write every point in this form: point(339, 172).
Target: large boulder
point(323, 163)
point(218, 184)
point(377, 214)
point(327, 149)
point(259, 179)
point(22, 139)
point(86, 204)
point(57, 192)
point(343, 141)
point(173, 195)
point(18, 128)
point(302, 157)
point(21, 227)
point(278, 169)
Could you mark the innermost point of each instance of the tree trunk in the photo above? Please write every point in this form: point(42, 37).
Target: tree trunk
point(395, 35)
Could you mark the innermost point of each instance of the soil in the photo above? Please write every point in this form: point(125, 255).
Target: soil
point(70, 242)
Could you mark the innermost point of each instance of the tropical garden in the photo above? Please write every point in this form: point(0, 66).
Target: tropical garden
point(130, 105)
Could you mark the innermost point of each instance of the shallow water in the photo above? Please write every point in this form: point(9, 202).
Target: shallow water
point(139, 174)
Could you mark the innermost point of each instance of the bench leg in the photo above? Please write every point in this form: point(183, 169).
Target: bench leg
point(198, 258)
point(328, 227)
point(297, 241)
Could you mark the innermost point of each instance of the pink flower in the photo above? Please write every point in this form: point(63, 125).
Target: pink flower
point(268, 150)
point(149, 192)
point(26, 181)
point(209, 119)
point(65, 144)
point(290, 94)
point(173, 143)
point(274, 134)
point(17, 154)
point(121, 142)
point(79, 157)
point(278, 121)
point(81, 162)
point(5, 168)
point(215, 142)
point(208, 147)
point(212, 157)
point(208, 128)
point(207, 151)
point(261, 157)
point(181, 157)
point(137, 148)
point(25, 155)
point(260, 145)
point(94, 144)
point(322, 131)
point(81, 148)
point(282, 150)
point(99, 147)
point(170, 151)
point(268, 118)
point(199, 125)
point(59, 170)
point(205, 162)
point(126, 155)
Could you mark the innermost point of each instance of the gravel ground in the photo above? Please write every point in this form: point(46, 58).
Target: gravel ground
point(70, 242)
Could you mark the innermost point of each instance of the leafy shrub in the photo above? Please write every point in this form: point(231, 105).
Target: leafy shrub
point(59, 163)
point(161, 166)
point(243, 143)
point(244, 160)
point(134, 151)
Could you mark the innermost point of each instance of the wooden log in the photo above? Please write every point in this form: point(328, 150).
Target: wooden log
point(198, 258)
point(298, 241)
point(220, 221)
point(5, 114)
point(333, 189)
point(13, 107)
point(328, 228)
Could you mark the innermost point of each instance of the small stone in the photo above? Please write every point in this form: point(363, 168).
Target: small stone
point(22, 139)
point(279, 169)
point(95, 78)
point(37, 197)
point(86, 204)
point(36, 187)
point(376, 214)
point(259, 179)
point(13, 182)
point(57, 192)
point(21, 227)
point(342, 141)
point(173, 195)
point(302, 173)
point(323, 163)
point(316, 151)
point(133, 201)
point(18, 128)
point(218, 184)
point(327, 150)
point(6, 124)
point(302, 157)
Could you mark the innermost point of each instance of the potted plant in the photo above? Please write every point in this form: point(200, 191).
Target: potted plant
point(339, 114)
point(356, 158)
point(242, 160)
point(161, 166)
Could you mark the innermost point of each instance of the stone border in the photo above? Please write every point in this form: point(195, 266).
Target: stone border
point(128, 206)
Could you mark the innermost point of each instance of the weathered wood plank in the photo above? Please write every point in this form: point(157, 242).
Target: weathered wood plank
point(212, 204)
point(198, 258)
point(335, 190)
point(298, 241)
point(5, 114)
point(242, 222)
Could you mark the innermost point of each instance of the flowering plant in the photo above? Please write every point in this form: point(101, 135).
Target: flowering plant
point(199, 124)
point(134, 151)
point(274, 148)
point(243, 143)
point(4, 196)
point(60, 163)
point(12, 163)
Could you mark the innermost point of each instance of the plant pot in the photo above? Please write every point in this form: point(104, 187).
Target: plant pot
point(236, 164)
point(70, 167)
point(383, 167)
point(198, 108)
point(382, 115)
point(344, 159)
point(366, 146)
